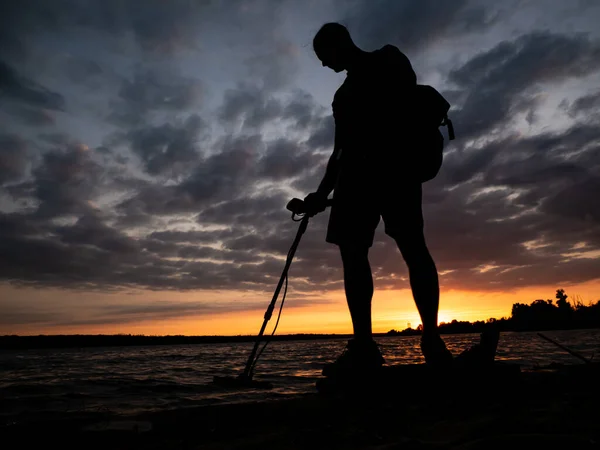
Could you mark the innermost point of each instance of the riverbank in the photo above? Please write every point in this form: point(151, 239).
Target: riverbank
point(13, 342)
point(558, 406)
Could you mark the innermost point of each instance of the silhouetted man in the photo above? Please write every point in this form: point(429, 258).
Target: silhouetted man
point(371, 175)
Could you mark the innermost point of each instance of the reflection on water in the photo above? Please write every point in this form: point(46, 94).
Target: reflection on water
point(133, 379)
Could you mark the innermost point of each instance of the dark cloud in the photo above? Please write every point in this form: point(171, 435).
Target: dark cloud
point(159, 27)
point(63, 183)
point(231, 173)
point(286, 159)
point(250, 105)
point(155, 27)
point(54, 138)
point(89, 230)
point(167, 149)
point(586, 104)
point(500, 83)
point(536, 162)
point(258, 212)
point(21, 89)
point(413, 25)
point(150, 91)
point(113, 260)
point(199, 237)
point(19, 225)
point(82, 70)
point(32, 116)
point(253, 107)
point(275, 68)
point(304, 111)
point(13, 158)
point(66, 182)
point(578, 200)
point(223, 175)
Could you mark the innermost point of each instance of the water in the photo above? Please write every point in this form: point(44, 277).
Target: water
point(129, 380)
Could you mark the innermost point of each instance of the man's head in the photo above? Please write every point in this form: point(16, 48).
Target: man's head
point(334, 46)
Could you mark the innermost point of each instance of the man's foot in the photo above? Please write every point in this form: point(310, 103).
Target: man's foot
point(435, 352)
point(360, 357)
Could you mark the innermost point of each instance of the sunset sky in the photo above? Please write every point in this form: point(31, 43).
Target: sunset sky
point(148, 150)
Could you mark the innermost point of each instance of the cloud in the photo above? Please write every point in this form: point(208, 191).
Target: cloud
point(275, 68)
point(250, 105)
point(21, 89)
point(150, 91)
point(254, 107)
point(286, 159)
point(13, 158)
point(413, 25)
point(167, 148)
point(304, 111)
point(66, 181)
point(499, 83)
point(201, 125)
point(82, 70)
point(588, 104)
point(32, 116)
point(157, 310)
point(159, 28)
point(27, 316)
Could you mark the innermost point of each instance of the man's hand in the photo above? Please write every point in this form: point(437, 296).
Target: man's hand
point(314, 203)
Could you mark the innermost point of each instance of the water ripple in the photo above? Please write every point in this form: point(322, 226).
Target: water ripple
point(133, 379)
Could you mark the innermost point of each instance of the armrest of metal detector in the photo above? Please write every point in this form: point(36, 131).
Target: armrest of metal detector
point(296, 205)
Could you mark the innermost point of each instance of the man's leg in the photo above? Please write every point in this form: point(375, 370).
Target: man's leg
point(352, 224)
point(423, 279)
point(358, 283)
point(426, 292)
point(362, 354)
point(403, 217)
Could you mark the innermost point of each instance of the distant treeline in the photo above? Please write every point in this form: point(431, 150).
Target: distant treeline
point(537, 316)
point(104, 340)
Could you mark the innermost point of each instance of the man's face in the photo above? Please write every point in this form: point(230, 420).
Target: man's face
point(330, 58)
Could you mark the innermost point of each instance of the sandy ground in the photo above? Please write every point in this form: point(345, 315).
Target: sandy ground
point(548, 409)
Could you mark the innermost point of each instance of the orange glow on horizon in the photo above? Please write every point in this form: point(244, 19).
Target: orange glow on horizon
point(391, 310)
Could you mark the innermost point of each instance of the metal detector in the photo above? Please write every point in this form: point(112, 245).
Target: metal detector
point(296, 206)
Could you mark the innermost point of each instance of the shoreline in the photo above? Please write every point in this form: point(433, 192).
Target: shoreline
point(16, 342)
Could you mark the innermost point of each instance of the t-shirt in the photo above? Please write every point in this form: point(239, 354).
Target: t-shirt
point(367, 107)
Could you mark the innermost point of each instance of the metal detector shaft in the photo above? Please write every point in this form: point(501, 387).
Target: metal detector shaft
point(269, 312)
point(566, 349)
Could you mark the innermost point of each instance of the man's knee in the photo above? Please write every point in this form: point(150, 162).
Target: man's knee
point(413, 247)
point(353, 254)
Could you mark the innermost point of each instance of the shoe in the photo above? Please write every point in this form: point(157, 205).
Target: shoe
point(358, 358)
point(435, 352)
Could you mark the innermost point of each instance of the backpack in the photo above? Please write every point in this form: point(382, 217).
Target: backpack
point(431, 112)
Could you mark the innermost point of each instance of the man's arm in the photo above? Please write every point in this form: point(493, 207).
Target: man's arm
point(316, 202)
point(333, 167)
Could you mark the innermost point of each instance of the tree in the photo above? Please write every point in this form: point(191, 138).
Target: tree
point(562, 302)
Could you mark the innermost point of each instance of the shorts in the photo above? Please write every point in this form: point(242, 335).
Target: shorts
point(357, 209)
